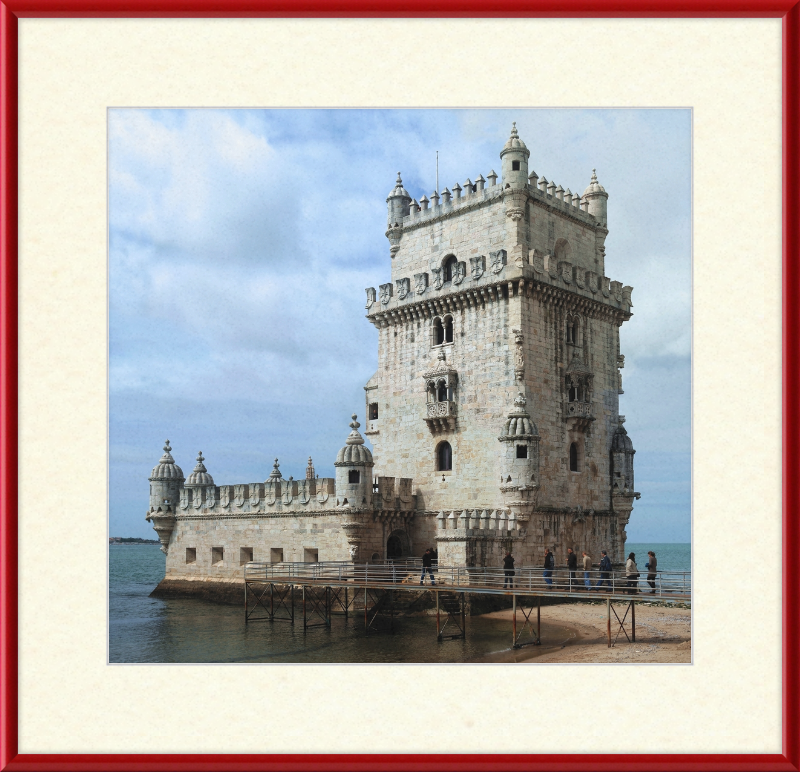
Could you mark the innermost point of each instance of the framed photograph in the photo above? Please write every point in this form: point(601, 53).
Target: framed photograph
point(141, 278)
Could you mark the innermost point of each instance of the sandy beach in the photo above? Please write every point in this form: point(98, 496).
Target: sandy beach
point(663, 634)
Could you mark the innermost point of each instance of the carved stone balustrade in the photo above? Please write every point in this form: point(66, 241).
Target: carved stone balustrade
point(440, 416)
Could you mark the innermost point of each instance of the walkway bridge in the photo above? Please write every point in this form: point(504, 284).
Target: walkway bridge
point(381, 591)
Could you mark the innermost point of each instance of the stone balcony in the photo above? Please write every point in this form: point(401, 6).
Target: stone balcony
point(578, 414)
point(440, 416)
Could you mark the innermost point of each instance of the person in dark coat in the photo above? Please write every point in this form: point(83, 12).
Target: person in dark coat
point(605, 570)
point(427, 560)
point(549, 565)
point(508, 567)
point(572, 565)
point(650, 565)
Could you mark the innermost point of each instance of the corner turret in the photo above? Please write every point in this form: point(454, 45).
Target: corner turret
point(399, 203)
point(597, 197)
point(520, 438)
point(166, 480)
point(514, 156)
point(353, 475)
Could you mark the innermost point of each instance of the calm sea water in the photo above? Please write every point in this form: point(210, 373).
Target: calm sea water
point(144, 629)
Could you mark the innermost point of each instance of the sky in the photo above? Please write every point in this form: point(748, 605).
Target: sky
point(241, 242)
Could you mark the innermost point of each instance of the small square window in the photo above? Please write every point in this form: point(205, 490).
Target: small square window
point(217, 555)
point(191, 554)
point(522, 451)
point(310, 555)
point(245, 555)
point(354, 476)
point(276, 555)
point(515, 166)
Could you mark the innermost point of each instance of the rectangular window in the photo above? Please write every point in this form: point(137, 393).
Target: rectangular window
point(276, 555)
point(373, 411)
point(191, 554)
point(310, 555)
point(245, 555)
point(217, 554)
point(522, 451)
point(515, 166)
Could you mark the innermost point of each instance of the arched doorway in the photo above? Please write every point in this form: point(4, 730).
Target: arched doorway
point(397, 545)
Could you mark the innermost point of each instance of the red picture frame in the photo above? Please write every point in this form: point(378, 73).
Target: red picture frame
point(11, 11)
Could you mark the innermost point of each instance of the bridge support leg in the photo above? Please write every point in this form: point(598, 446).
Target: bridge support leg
point(438, 625)
point(608, 620)
point(271, 602)
point(291, 592)
point(514, 625)
point(305, 620)
point(328, 606)
point(464, 615)
point(245, 602)
point(539, 618)
point(633, 621)
point(346, 604)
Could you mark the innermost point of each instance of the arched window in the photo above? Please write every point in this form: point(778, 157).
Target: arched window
point(450, 268)
point(448, 329)
point(438, 332)
point(431, 391)
point(573, 457)
point(444, 457)
point(441, 395)
point(354, 476)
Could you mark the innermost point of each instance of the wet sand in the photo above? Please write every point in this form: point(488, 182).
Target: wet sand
point(663, 634)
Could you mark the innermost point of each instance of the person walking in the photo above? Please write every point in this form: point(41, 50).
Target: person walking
point(650, 565)
point(605, 571)
point(508, 568)
point(572, 565)
point(587, 567)
point(549, 565)
point(632, 574)
point(427, 560)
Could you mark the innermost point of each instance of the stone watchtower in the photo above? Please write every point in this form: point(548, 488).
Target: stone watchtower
point(499, 323)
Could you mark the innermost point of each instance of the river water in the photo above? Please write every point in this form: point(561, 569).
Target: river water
point(151, 630)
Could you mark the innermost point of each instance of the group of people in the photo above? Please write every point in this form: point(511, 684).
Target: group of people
point(631, 571)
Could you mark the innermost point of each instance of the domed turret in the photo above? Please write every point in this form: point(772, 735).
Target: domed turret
point(166, 480)
point(597, 197)
point(353, 475)
point(520, 437)
point(199, 476)
point(399, 203)
point(514, 156)
point(622, 453)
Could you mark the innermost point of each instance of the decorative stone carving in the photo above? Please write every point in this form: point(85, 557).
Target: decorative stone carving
point(477, 266)
point(288, 492)
point(353, 552)
point(438, 279)
point(515, 213)
point(552, 266)
point(565, 271)
point(370, 297)
point(403, 288)
point(184, 498)
point(420, 283)
point(225, 495)
point(519, 356)
point(626, 295)
point(604, 286)
point(197, 497)
point(498, 260)
point(255, 495)
point(238, 495)
point(322, 496)
point(536, 259)
point(386, 293)
point(579, 278)
point(210, 497)
point(459, 272)
point(616, 291)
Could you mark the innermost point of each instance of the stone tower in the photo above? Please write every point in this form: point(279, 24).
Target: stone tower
point(498, 297)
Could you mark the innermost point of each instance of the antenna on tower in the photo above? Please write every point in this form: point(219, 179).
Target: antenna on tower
point(437, 171)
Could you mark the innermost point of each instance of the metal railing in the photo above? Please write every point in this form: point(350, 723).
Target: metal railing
point(666, 584)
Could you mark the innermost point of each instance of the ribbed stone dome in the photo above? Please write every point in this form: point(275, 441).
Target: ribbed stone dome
point(354, 452)
point(594, 185)
point(514, 142)
point(166, 469)
point(621, 442)
point(519, 423)
point(199, 475)
point(398, 189)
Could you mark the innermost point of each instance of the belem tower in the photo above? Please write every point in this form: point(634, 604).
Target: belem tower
point(493, 414)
